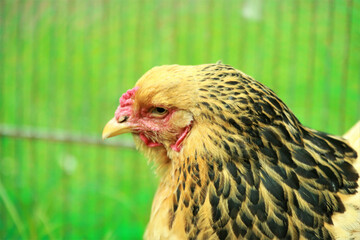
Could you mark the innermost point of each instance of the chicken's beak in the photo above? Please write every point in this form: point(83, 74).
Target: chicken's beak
point(114, 128)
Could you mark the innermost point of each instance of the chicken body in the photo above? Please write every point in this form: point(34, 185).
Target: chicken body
point(235, 162)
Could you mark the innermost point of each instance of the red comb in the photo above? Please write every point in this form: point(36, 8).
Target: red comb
point(126, 100)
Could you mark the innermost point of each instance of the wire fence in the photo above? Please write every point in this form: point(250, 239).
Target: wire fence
point(65, 63)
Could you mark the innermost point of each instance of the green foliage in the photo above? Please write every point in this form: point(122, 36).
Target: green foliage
point(65, 63)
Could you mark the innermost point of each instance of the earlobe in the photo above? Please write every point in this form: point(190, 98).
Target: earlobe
point(177, 146)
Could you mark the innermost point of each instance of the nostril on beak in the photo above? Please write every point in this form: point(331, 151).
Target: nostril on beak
point(122, 119)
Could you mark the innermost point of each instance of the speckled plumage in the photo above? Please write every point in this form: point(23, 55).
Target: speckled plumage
point(247, 169)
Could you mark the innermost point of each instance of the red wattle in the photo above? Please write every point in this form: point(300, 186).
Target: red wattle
point(148, 142)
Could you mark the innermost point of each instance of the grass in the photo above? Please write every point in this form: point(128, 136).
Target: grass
point(65, 63)
point(12, 212)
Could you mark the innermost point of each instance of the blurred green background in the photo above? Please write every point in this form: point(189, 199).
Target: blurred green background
point(65, 63)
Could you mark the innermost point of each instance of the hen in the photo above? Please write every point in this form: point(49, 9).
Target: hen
point(235, 163)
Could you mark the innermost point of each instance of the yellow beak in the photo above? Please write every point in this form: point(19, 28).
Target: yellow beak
point(114, 128)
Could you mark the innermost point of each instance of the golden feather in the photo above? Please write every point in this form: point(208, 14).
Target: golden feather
point(248, 169)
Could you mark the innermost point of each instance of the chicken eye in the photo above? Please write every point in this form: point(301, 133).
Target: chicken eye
point(159, 111)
